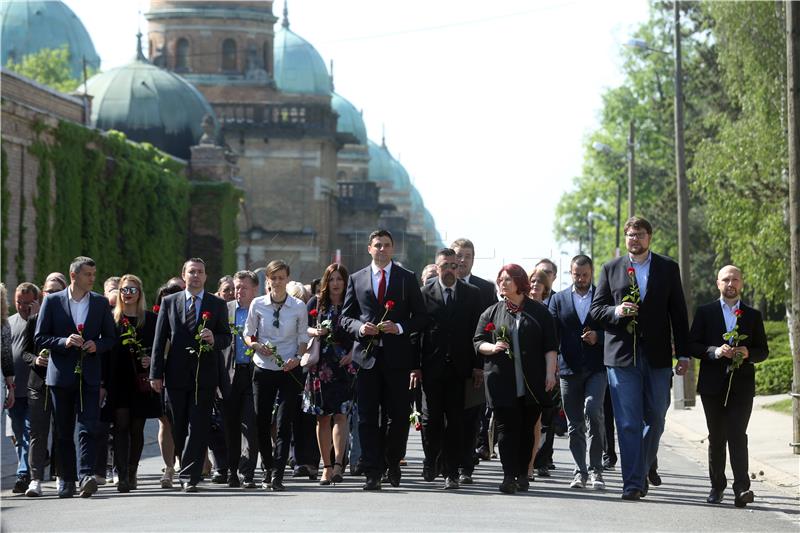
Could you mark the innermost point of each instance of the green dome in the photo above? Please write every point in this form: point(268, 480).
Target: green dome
point(27, 27)
point(400, 178)
point(149, 104)
point(350, 120)
point(298, 66)
point(380, 163)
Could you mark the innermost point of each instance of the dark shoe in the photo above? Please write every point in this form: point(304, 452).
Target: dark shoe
point(88, 486)
point(123, 486)
point(450, 483)
point(523, 484)
point(356, 470)
point(483, 453)
point(277, 484)
point(190, 487)
point(632, 495)
point(66, 489)
point(21, 485)
point(646, 488)
point(266, 484)
point(743, 498)
point(133, 480)
point(542, 471)
point(609, 461)
point(551, 466)
point(715, 496)
point(508, 486)
point(325, 481)
point(465, 479)
point(233, 480)
point(337, 473)
point(373, 483)
point(394, 476)
point(301, 471)
point(428, 474)
point(219, 478)
point(248, 483)
point(654, 478)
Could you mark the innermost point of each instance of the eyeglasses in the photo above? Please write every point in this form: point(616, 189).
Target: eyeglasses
point(452, 266)
point(129, 290)
point(636, 236)
point(276, 314)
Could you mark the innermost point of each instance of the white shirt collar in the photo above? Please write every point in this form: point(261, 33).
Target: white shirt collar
point(189, 294)
point(647, 259)
point(465, 279)
point(376, 269)
point(589, 293)
point(445, 287)
point(725, 305)
point(69, 293)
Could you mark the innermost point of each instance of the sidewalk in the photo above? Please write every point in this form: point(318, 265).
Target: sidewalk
point(769, 435)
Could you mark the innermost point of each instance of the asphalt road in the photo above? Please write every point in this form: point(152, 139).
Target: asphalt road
point(678, 505)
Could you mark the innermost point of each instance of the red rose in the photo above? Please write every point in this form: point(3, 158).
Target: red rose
point(418, 426)
point(80, 329)
point(738, 313)
point(206, 315)
point(125, 321)
point(631, 271)
point(313, 313)
point(489, 327)
point(389, 305)
point(156, 308)
point(253, 338)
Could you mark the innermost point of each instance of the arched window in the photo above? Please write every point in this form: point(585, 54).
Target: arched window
point(267, 57)
point(182, 55)
point(229, 55)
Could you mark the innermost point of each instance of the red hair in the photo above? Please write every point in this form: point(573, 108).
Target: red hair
point(518, 274)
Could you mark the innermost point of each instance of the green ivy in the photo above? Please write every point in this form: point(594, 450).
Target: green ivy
point(20, 272)
point(5, 203)
point(216, 241)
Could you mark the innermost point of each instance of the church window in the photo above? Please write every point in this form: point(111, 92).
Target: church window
point(229, 55)
point(182, 55)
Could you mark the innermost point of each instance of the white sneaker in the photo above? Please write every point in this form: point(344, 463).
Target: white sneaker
point(166, 479)
point(34, 489)
point(578, 482)
point(596, 481)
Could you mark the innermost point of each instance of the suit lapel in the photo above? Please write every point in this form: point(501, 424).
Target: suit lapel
point(181, 303)
point(367, 287)
point(67, 310)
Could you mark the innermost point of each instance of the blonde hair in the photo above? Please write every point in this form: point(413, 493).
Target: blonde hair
point(140, 306)
point(542, 277)
point(296, 289)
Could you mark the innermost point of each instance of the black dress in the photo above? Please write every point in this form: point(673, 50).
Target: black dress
point(125, 367)
point(329, 385)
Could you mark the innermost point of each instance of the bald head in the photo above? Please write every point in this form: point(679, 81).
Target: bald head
point(729, 283)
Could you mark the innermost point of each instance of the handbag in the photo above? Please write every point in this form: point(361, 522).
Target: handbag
point(142, 380)
point(311, 357)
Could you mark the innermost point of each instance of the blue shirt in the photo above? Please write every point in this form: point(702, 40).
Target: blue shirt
point(198, 303)
point(582, 303)
point(728, 313)
point(239, 321)
point(642, 274)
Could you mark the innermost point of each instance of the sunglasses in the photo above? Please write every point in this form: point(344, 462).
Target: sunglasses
point(451, 266)
point(276, 315)
point(129, 290)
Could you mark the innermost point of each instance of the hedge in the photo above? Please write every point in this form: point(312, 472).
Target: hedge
point(774, 376)
point(777, 338)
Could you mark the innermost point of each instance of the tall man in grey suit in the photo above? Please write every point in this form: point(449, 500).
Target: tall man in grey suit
point(77, 327)
point(638, 356)
point(383, 350)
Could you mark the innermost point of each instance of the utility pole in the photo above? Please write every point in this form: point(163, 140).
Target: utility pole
point(590, 221)
point(688, 398)
point(619, 221)
point(631, 169)
point(793, 108)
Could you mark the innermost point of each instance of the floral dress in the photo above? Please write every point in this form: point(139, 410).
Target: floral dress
point(329, 385)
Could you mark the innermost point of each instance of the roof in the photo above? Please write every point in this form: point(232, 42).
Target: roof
point(350, 119)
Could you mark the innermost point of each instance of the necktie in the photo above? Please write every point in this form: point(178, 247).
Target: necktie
point(448, 304)
point(382, 287)
point(191, 315)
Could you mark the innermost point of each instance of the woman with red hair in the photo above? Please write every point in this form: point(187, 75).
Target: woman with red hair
point(517, 339)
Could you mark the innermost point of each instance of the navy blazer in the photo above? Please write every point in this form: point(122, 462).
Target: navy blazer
point(575, 355)
point(662, 318)
point(706, 335)
point(361, 306)
point(178, 368)
point(55, 324)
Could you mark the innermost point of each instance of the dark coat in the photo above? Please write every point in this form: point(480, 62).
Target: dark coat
point(574, 355)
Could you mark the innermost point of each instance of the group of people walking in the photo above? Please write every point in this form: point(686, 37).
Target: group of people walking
point(359, 353)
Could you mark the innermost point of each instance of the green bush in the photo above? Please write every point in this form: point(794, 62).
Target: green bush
point(774, 376)
point(777, 338)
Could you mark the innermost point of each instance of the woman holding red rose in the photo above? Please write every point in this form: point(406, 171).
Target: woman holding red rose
point(127, 369)
point(329, 384)
point(517, 338)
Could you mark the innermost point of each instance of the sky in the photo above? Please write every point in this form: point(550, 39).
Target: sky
point(486, 104)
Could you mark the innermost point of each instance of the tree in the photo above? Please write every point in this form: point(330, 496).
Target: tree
point(48, 66)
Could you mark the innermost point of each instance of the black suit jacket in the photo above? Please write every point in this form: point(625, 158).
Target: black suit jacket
point(361, 306)
point(706, 335)
point(537, 336)
point(38, 373)
point(177, 368)
point(449, 333)
point(662, 317)
point(574, 355)
point(55, 324)
point(488, 291)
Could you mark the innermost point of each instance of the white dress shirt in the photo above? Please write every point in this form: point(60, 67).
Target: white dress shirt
point(290, 334)
point(78, 308)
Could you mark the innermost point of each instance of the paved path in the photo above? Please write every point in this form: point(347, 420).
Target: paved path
point(678, 505)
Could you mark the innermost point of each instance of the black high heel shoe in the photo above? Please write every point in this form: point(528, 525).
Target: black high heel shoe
point(323, 481)
point(337, 475)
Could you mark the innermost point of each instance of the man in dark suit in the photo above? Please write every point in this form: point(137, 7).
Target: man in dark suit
point(583, 376)
point(476, 416)
point(727, 392)
point(77, 327)
point(638, 356)
point(240, 415)
point(193, 369)
point(383, 350)
point(448, 358)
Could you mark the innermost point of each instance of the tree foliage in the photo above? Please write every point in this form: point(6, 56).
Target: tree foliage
point(49, 66)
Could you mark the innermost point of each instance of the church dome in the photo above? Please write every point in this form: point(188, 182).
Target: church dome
point(298, 66)
point(380, 163)
point(27, 27)
point(350, 119)
point(400, 178)
point(149, 104)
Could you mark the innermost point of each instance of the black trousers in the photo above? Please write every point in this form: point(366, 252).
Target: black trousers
point(544, 457)
point(191, 423)
point(728, 425)
point(470, 431)
point(240, 418)
point(217, 439)
point(442, 419)
point(304, 436)
point(40, 418)
point(383, 442)
point(66, 403)
point(514, 428)
point(266, 386)
point(608, 411)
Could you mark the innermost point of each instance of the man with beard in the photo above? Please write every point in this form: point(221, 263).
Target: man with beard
point(727, 390)
point(639, 302)
point(448, 359)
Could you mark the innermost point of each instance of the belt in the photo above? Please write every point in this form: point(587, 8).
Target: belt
point(241, 365)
